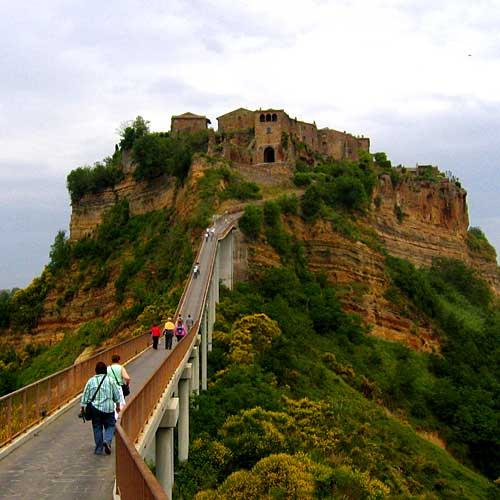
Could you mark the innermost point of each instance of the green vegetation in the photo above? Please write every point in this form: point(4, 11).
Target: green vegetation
point(155, 154)
point(464, 394)
point(251, 221)
point(479, 244)
point(160, 153)
point(341, 185)
point(291, 409)
point(85, 180)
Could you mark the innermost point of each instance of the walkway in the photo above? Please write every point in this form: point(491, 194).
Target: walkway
point(59, 462)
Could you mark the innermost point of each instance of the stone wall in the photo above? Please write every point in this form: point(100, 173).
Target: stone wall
point(188, 123)
point(238, 119)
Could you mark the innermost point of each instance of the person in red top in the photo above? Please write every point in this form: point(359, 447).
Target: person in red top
point(155, 334)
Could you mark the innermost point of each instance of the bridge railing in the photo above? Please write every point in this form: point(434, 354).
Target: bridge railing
point(134, 480)
point(29, 405)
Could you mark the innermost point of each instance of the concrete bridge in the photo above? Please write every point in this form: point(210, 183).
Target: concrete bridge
point(49, 454)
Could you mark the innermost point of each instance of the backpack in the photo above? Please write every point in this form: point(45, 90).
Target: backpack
point(179, 331)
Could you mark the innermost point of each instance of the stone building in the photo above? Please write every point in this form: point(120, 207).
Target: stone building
point(271, 136)
point(274, 129)
point(189, 122)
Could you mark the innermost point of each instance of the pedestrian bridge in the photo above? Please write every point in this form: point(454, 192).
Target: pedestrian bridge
point(46, 452)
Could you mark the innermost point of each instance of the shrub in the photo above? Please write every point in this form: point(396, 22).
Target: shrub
point(310, 202)
point(381, 160)
point(347, 192)
point(479, 244)
point(271, 213)
point(289, 204)
point(5, 308)
point(302, 179)
point(85, 180)
point(250, 222)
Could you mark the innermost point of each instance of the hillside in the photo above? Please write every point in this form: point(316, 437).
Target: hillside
point(334, 351)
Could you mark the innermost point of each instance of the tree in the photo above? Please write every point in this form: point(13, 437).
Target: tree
point(60, 252)
point(251, 221)
point(131, 131)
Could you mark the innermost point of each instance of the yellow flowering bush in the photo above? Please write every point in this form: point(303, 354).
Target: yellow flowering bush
point(251, 335)
point(276, 476)
point(255, 433)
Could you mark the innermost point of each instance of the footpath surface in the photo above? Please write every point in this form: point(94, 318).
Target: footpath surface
point(59, 462)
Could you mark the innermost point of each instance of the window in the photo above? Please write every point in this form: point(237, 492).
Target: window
point(268, 117)
point(269, 130)
point(262, 117)
point(274, 117)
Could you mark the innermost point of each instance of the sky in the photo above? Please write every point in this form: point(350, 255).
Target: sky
point(420, 78)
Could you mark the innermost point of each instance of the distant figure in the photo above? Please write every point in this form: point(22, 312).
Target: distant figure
point(196, 271)
point(169, 333)
point(207, 233)
point(155, 335)
point(212, 233)
point(180, 330)
point(103, 394)
point(119, 375)
point(225, 216)
point(189, 322)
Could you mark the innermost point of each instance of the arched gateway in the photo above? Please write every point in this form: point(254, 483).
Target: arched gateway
point(269, 155)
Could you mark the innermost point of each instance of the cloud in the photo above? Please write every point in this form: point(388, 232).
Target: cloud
point(396, 71)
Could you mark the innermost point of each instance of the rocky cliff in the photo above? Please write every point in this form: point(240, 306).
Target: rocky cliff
point(415, 220)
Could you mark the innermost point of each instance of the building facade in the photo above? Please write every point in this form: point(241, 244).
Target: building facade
point(274, 130)
point(189, 122)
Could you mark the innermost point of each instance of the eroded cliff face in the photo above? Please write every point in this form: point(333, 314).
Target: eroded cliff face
point(358, 272)
point(143, 197)
point(432, 222)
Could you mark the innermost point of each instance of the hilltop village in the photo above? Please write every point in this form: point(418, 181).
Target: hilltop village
point(272, 136)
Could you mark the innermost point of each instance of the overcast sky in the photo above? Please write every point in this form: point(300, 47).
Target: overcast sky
point(420, 78)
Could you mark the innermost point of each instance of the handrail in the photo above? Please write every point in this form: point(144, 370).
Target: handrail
point(133, 479)
point(29, 405)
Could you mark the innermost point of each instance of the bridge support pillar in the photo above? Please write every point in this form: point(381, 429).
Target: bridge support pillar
point(195, 362)
point(217, 276)
point(165, 447)
point(183, 427)
point(226, 261)
point(204, 351)
point(211, 314)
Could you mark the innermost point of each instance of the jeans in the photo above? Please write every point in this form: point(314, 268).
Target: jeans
point(102, 420)
point(168, 340)
point(155, 342)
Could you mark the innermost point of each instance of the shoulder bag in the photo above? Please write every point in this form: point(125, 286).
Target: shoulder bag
point(88, 408)
point(125, 387)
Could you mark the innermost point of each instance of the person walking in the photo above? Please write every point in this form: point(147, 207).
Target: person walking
point(155, 335)
point(118, 374)
point(212, 232)
point(180, 330)
point(207, 233)
point(189, 323)
point(169, 333)
point(104, 397)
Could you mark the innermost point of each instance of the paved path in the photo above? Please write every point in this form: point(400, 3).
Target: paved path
point(59, 463)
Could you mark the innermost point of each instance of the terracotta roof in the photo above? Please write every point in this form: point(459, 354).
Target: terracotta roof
point(188, 115)
point(234, 111)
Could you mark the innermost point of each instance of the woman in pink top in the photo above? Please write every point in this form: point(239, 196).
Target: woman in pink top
point(180, 330)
